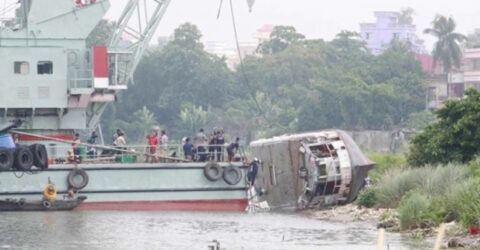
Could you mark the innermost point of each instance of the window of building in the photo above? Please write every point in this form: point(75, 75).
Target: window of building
point(395, 35)
point(21, 67)
point(44, 67)
point(367, 36)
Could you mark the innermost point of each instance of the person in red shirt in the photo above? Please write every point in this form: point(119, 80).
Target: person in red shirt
point(152, 147)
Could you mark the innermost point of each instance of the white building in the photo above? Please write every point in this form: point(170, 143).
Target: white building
point(387, 27)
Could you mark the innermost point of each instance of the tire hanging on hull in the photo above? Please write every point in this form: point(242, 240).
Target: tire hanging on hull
point(40, 156)
point(6, 159)
point(23, 158)
point(72, 179)
point(213, 171)
point(232, 175)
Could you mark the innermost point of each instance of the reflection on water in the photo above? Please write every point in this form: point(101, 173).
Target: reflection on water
point(177, 230)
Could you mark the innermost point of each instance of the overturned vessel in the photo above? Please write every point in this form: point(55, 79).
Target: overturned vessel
point(313, 169)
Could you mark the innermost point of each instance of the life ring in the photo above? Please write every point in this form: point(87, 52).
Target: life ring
point(213, 171)
point(232, 175)
point(40, 157)
point(72, 178)
point(21, 202)
point(47, 204)
point(6, 159)
point(23, 158)
point(49, 192)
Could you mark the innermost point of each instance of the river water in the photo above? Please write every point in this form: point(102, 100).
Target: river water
point(186, 230)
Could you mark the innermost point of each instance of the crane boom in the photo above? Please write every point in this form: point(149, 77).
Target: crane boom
point(137, 23)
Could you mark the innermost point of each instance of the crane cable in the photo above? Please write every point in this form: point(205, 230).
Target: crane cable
point(241, 60)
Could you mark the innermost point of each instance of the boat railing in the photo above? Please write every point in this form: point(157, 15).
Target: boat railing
point(82, 79)
point(140, 153)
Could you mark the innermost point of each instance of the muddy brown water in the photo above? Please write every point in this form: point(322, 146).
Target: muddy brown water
point(185, 230)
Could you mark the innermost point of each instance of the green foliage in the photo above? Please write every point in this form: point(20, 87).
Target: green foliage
point(420, 120)
point(182, 72)
point(463, 201)
point(413, 210)
point(383, 163)
point(192, 117)
point(396, 183)
point(280, 38)
point(366, 197)
point(454, 138)
point(101, 34)
point(303, 85)
point(447, 48)
point(473, 40)
point(430, 194)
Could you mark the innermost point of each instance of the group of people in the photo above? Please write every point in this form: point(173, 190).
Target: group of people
point(212, 148)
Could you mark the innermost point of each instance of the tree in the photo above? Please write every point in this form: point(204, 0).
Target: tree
point(454, 138)
point(192, 117)
point(447, 48)
point(101, 34)
point(280, 38)
point(406, 15)
point(180, 72)
point(473, 39)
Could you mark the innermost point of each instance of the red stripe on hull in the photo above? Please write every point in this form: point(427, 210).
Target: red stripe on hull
point(196, 205)
point(57, 136)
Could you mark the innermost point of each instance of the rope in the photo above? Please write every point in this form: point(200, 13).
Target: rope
point(241, 63)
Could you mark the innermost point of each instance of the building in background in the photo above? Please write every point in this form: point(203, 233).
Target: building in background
point(387, 27)
point(246, 48)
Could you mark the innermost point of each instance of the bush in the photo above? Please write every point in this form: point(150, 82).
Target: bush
point(414, 209)
point(384, 162)
point(463, 201)
point(395, 184)
point(366, 197)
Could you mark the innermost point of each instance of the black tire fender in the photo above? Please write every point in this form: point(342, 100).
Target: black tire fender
point(72, 179)
point(213, 171)
point(232, 175)
point(23, 158)
point(6, 159)
point(40, 156)
point(21, 202)
point(47, 204)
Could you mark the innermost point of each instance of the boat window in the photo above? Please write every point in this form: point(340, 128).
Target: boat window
point(21, 67)
point(320, 150)
point(44, 67)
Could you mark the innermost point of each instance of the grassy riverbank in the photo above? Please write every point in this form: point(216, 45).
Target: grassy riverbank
point(412, 199)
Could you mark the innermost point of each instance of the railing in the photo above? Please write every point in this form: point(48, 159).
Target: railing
point(82, 79)
point(139, 153)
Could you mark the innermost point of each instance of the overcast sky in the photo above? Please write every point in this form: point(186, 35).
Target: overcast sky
point(313, 18)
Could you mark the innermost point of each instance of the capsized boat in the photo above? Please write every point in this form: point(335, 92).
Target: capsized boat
point(313, 169)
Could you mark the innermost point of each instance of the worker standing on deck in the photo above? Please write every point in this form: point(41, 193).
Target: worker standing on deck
point(199, 142)
point(120, 142)
point(252, 172)
point(152, 147)
point(163, 143)
point(91, 150)
point(188, 149)
point(232, 149)
point(76, 148)
point(220, 140)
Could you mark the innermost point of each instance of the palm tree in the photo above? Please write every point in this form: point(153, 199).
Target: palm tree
point(447, 48)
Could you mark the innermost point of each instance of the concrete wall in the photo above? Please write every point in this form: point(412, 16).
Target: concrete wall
point(394, 141)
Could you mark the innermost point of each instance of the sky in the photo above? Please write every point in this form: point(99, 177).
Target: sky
point(313, 18)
